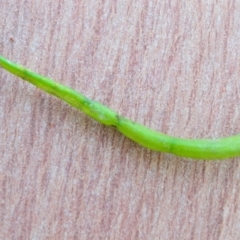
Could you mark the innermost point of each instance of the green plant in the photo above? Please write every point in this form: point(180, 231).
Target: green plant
point(191, 148)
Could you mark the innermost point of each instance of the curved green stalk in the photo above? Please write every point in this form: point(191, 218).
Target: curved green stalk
point(190, 148)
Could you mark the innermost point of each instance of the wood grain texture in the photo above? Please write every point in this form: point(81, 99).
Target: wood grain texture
point(171, 65)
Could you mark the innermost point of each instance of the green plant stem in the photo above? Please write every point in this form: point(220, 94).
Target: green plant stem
point(210, 149)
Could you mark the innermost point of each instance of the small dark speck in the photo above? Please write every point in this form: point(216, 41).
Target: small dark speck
point(118, 117)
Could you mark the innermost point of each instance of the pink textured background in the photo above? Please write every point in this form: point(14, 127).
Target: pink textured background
point(171, 65)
